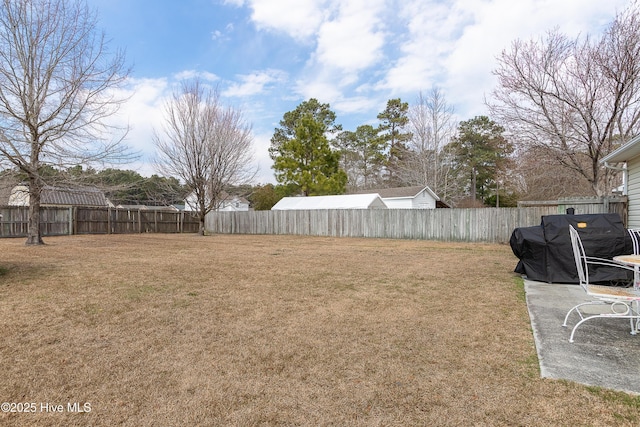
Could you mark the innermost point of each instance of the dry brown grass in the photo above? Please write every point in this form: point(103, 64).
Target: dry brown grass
point(177, 330)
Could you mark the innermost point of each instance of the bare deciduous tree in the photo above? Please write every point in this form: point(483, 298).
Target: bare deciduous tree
point(540, 177)
point(432, 127)
point(204, 144)
point(575, 98)
point(56, 88)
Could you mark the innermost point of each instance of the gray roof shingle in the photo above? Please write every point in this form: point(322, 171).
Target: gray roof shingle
point(73, 196)
point(394, 192)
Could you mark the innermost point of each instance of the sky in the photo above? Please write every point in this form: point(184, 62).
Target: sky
point(265, 57)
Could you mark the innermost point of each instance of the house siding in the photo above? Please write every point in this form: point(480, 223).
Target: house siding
point(233, 205)
point(398, 203)
point(633, 192)
point(344, 201)
point(422, 200)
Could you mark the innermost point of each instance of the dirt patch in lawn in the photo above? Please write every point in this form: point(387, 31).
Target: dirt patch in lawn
point(275, 330)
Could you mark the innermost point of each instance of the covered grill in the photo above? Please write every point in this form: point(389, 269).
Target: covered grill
point(545, 252)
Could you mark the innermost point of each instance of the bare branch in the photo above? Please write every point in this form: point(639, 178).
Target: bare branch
point(207, 146)
point(57, 87)
point(432, 126)
point(575, 99)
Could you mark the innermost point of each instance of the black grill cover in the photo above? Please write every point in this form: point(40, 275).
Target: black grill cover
point(545, 252)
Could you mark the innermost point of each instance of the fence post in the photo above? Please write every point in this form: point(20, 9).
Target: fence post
point(71, 219)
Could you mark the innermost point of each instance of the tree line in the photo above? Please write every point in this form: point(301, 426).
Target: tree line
point(121, 187)
point(418, 145)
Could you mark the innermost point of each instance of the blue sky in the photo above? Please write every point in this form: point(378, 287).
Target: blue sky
point(267, 56)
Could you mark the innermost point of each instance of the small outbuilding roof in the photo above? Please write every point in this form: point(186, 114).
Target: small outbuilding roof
point(60, 196)
point(148, 208)
point(77, 196)
point(401, 192)
point(347, 201)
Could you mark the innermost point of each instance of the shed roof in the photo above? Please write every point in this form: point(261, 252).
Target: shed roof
point(75, 196)
point(400, 192)
point(148, 208)
point(346, 201)
point(65, 196)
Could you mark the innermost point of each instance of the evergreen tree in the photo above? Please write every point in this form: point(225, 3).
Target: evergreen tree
point(393, 120)
point(303, 158)
point(363, 157)
point(481, 153)
point(264, 197)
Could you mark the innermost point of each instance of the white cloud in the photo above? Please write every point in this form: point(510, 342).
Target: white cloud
point(191, 74)
point(354, 40)
point(261, 144)
point(349, 37)
point(356, 104)
point(454, 45)
point(299, 19)
point(143, 112)
point(317, 87)
point(223, 35)
point(432, 29)
point(255, 83)
point(216, 35)
point(237, 3)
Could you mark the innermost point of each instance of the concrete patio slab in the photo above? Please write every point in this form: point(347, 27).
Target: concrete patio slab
point(603, 353)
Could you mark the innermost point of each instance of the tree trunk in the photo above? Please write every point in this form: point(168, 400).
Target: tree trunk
point(201, 217)
point(34, 236)
point(473, 184)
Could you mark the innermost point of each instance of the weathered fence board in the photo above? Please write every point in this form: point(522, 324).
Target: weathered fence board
point(469, 225)
point(83, 220)
point(466, 225)
point(14, 221)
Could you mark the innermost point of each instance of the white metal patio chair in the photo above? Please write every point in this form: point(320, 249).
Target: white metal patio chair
point(623, 303)
point(635, 240)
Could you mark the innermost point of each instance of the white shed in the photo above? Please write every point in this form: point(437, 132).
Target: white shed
point(627, 157)
point(417, 197)
point(347, 201)
point(228, 203)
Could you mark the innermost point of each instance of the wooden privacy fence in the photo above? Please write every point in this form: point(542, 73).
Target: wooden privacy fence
point(493, 225)
point(469, 225)
point(83, 220)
